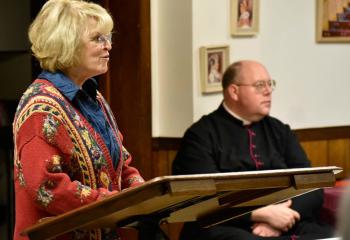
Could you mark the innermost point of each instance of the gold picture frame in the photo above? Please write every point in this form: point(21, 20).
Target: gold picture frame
point(333, 21)
point(244, 17)
point(213, 62)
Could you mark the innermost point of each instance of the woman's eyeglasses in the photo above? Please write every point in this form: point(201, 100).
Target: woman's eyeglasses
point(103, 39)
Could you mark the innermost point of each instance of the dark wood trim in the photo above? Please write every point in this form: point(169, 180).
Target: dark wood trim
point(127, 85)
point(105, 79)
point(166, 143)
point(310, 134)
point(325, 133)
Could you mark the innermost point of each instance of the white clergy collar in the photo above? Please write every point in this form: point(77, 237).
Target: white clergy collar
point(245, 122)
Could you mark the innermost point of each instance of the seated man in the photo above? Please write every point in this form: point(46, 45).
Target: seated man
point(241, 136)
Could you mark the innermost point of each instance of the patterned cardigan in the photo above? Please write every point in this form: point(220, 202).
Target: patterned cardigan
point(60, 162)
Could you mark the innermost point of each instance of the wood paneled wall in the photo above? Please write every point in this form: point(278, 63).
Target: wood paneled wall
point(327, 147)
point(324, 147)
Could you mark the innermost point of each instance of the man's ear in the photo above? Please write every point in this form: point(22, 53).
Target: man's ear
point(233, 90)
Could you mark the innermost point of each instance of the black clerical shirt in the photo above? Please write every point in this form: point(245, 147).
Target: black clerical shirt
point(219, 142)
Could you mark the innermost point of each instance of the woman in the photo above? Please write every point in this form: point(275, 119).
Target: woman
point(214, 75)
point(245, 16)
point(68, 150)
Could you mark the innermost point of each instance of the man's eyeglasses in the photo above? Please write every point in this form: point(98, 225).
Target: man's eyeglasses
point(261, 85)
point(103, 39)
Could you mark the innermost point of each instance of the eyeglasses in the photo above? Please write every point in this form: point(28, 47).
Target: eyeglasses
point(102, 39)
point(261, 85)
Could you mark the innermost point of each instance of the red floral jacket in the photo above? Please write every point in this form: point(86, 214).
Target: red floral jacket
point(61, 163)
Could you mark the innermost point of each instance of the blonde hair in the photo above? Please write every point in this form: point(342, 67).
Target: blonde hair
point(57, 30)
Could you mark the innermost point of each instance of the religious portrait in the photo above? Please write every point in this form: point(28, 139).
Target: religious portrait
point(244, 17)
point(333, 21)
point(213, 62)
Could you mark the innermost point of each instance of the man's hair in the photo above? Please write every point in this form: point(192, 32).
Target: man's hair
point(56, 33)
point(231, 74)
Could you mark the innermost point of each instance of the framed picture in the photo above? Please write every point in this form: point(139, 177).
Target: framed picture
point(244, 17)
point(333, 21)
point(213, 62)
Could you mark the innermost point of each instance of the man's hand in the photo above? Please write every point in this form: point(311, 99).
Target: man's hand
point(279, 216)
point(265, 230)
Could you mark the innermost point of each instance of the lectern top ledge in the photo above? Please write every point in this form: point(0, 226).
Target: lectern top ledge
point(207, 198)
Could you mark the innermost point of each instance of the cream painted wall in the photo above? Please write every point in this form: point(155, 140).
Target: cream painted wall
point(312, 79)
point(171, 34)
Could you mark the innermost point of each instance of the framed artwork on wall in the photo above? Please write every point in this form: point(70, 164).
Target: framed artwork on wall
point(333, 21)
point(244, 17)
point(213, 62)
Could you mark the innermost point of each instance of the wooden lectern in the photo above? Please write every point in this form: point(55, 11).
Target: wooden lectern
point(207, 198)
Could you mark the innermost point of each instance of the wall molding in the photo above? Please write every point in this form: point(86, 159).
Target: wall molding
point(325, 133)
point(308, 134)
point(165, 143)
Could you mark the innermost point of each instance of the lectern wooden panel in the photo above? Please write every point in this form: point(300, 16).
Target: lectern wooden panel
point(207, 198)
